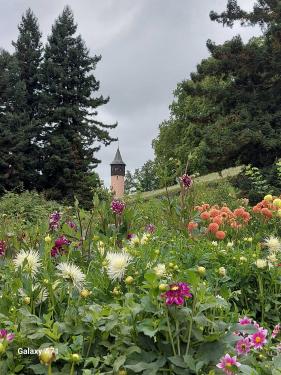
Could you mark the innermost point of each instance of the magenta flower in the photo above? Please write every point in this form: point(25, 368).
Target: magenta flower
point(61, 241)
point(243, 346)
point(4, 335)
point(177, 293)
point(150, 228)
point(276, 330)
point(117, 206)
point(245, 321)
point(186, 181)
point(3, 247)
point(54, 220)
point(258, 339)
point(229, 365)
point(130, 236)
point(71, 224)
point(60, 246)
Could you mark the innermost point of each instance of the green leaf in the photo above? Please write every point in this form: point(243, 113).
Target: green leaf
point(119, 362)
point(178, 361)
point(247, 370)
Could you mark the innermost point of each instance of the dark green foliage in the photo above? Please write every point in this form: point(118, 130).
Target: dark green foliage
point(71, 131)
point(229, 111)
point(15, 165)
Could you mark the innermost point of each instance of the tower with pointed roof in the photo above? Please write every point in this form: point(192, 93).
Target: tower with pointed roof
point(118, 175)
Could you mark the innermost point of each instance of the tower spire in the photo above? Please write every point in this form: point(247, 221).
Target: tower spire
point(118, 174)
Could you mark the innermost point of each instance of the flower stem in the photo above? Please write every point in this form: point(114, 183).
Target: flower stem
point(50, 369)
point(170, 334)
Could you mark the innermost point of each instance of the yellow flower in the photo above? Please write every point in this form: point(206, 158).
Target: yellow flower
point(279, 213)
point(277, 202)
point(48, 239)
point(268, 198)
point(85, 293)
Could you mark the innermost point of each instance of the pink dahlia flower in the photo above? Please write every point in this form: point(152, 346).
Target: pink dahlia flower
point(276, 330)
point(243, 346)
point(117, 206)
point(3, 247)
point(229, 365)
point(245, 321)
point(177, 293)
point(258, 339)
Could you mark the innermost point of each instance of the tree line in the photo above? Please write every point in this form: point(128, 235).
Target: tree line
point(49, 130)
point(229, 111)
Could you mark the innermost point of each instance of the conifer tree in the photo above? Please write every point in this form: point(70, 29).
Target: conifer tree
point(28, 52)
point(14, 161)
point(71, 130)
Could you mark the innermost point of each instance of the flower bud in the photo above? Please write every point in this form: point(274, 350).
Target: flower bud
point(163, 287)
point(201, 270)
point(222, 271)
point(26, 300)
point(47, 356)
point(2, 348)
point(129, 280)
point(75, 357)
point(85, 293)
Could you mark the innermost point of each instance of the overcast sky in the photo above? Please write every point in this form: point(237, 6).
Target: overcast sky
point(147, 47)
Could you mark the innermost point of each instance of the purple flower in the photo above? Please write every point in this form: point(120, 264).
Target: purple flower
point(177, 293)
point(229, 365)
point(71, 224)
point(3, 247)
point(243, 346)
point(186, 181)
point(130, 236)
point(4, 335)
point(54, 220)
point(150, 228)
point(117, 206)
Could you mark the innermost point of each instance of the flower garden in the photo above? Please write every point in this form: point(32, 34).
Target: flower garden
point(186, 284)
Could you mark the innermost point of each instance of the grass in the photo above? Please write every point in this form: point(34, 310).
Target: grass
point(211, 177)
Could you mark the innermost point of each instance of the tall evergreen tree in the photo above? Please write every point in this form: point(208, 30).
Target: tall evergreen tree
point(28, 52)
point(14, 160)
point(71, 130)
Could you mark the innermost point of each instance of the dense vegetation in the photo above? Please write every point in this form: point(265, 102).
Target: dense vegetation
point(186, 284)
point(228, 112)
point(49, 132)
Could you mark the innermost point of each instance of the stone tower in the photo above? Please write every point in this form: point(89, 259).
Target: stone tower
point(118, 175)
